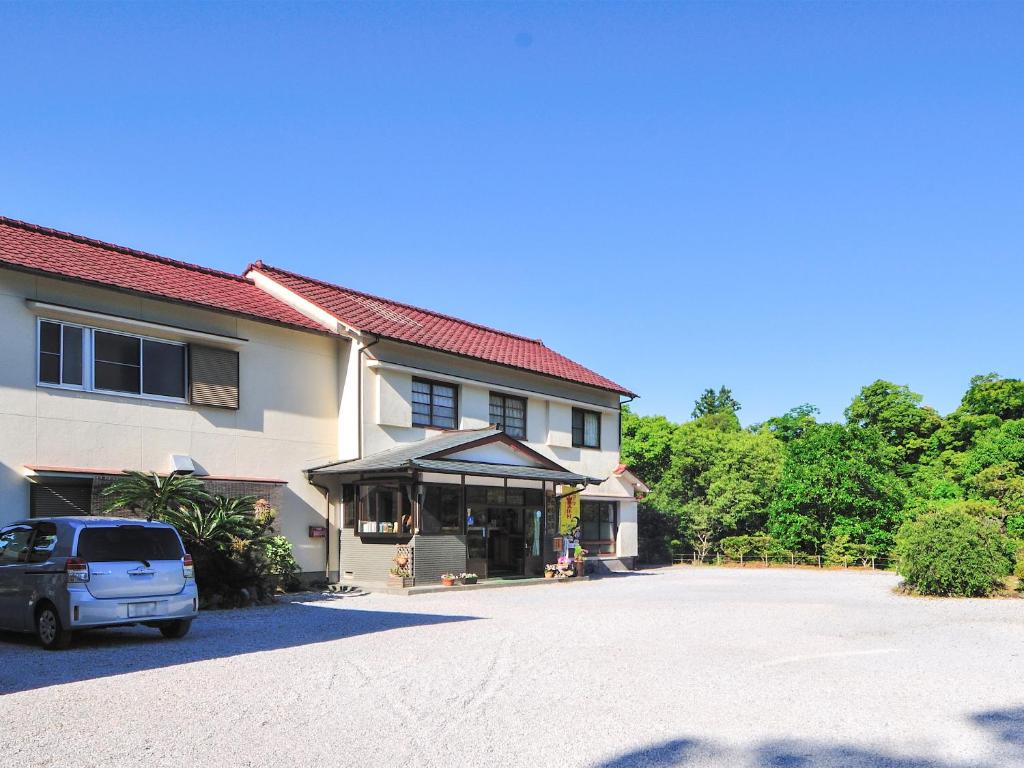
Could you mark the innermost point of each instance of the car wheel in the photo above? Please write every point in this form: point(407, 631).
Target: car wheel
point(50, 630)
point(177, 628)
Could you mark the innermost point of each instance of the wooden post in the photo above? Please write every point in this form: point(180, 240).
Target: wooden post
point(819, 561)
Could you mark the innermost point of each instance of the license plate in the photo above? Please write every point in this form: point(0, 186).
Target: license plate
point(141, 609)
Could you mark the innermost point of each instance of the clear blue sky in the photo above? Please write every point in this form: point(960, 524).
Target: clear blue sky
point(792, 200)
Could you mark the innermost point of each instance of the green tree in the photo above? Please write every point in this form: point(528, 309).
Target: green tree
point(791, 425)
point(646, 445)
point(990, 394)
point(712, 403)
point(719, 482)
point(837, 480)
point(897, 414)
point(153, 495)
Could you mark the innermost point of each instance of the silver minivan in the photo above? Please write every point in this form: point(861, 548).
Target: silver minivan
point(59, 574)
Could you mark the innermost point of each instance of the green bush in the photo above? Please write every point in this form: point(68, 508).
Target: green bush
point(952, 552)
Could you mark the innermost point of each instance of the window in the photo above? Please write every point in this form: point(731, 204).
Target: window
point(384, 509)
point(598, 523)
point(349, 507)
point(509, 413)
point(441, 511)
point(43, 543)
point(433, 404)
point(586, 428)
point(118, 543)
point(14, 544)
point(104, 361)
point(60, 354)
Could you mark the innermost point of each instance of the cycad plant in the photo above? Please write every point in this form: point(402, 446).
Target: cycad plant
point(152, 495)
point(221, 522)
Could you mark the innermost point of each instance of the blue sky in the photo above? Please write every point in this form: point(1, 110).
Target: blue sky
point(789, 199)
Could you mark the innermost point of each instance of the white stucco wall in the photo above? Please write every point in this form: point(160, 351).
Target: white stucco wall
point(290, 399)
point(549, 413)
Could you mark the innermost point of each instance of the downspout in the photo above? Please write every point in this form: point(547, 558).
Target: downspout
point(359, 397)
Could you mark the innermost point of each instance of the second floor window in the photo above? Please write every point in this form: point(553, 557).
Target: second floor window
point(433, 404)
point(104, 361)
point(509, 413)
point(586, 428)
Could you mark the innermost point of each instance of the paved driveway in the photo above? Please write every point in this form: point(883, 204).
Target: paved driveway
point(693, 667)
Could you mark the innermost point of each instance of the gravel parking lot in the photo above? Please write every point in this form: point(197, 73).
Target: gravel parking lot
point(694, 667)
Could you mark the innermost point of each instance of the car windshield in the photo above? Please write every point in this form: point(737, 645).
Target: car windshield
point(128, 542)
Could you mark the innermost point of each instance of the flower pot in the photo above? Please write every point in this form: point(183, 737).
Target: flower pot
point(448, 582)
point(549, 574)
point(580, 566)
point(469, 580)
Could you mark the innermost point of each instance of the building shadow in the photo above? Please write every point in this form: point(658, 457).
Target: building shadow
point(1006, 725)
point(216, 634)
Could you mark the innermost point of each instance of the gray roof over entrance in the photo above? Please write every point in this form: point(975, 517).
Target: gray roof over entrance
point(413, 456)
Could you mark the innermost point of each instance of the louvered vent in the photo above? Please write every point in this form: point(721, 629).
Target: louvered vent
point(214, 376)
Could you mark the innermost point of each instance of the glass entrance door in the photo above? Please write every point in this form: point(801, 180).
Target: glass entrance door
point(505, 542)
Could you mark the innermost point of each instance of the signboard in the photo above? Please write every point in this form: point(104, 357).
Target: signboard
point(568, 510)
point(318, 531)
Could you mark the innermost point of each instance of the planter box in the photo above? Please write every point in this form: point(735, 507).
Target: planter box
point(469, 581)
point(400, 581)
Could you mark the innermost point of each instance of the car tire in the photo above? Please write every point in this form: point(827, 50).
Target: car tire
point(50, 630)
point(176, 629)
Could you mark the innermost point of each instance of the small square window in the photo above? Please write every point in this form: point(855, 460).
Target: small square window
point(586, 428)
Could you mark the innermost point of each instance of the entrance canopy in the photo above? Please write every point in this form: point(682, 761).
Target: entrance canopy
point(478, 452)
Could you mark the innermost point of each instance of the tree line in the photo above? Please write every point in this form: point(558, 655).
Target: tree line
point(799, 485)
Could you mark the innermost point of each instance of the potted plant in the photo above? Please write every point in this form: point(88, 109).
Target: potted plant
point(468, 578)
point(400, 574)
point(448, 579)
point(579, 558)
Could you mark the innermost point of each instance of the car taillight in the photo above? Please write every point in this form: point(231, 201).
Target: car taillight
point(187, 568)
point(77, 570)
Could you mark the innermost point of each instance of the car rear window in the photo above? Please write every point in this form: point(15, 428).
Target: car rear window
point(128, 542)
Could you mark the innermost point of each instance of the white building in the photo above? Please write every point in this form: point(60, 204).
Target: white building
point(366, 422)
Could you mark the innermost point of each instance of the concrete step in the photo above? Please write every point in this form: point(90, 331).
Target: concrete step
point(604, 565)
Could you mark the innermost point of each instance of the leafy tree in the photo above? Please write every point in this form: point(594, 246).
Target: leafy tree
point(152, 495)
point(837, 480)
point(719, 482)
point(897, 414)
point(712, 403)
point(646, 445)
point(791, 425)
point(993, 395)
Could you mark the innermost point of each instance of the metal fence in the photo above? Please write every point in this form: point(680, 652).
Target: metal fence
point(789, 559)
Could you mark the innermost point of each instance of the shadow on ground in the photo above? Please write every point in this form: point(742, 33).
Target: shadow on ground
point(1006, 726)
point(101, 653)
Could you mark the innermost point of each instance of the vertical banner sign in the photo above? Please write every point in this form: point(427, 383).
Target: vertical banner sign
point(568, 510)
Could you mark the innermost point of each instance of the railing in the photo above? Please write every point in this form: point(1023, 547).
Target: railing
point(789, 559)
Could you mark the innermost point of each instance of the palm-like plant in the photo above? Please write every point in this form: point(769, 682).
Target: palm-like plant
point(153, 495)
point(224, 521)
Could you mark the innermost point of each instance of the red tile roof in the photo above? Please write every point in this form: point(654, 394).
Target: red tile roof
point(413, 325)
point(52, 252)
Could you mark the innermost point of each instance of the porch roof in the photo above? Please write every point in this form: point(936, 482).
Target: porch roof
point(429, 455)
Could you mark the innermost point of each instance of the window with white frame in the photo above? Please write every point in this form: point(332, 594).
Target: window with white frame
point(108, 361)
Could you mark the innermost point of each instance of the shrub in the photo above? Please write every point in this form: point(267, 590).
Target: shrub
point(952, 552)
